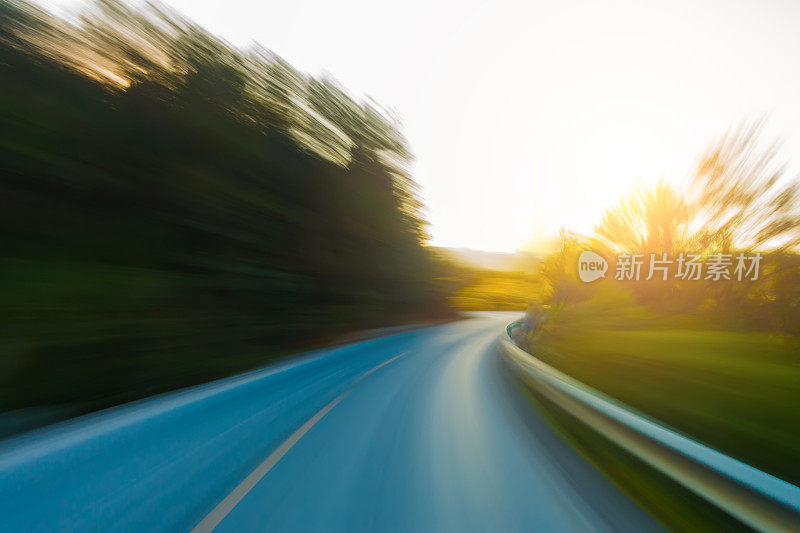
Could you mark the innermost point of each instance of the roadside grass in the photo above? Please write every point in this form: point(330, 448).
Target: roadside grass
point(736, 391)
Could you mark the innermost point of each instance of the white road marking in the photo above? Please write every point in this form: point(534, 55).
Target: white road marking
point(368, 372)
point(224, 507)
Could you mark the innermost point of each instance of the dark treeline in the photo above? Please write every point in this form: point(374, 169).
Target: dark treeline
point(174, 209)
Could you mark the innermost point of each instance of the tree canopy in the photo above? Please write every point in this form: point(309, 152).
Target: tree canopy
point(173, 208)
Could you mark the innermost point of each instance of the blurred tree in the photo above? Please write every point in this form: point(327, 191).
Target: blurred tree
point(647, 220)
point(173, 209)
point(738, 200)
point(743, 198)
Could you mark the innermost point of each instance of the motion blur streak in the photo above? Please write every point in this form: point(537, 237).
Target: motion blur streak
point(173, 209)
point(436, 441)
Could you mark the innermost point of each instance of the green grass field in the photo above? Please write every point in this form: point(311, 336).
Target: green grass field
point(737, 391)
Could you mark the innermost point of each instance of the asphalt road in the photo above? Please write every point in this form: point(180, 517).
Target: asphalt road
point(418, 431)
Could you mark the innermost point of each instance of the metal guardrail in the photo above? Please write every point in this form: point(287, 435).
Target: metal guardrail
point(754, 497)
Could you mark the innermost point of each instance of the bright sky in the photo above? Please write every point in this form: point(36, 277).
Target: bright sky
point(528, 116)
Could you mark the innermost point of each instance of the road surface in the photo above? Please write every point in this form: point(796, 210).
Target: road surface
point(418, 431)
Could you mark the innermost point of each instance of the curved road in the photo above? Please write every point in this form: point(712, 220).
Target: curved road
point(418, 431)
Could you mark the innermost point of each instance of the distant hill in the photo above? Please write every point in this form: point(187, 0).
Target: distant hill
point(526, 262)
